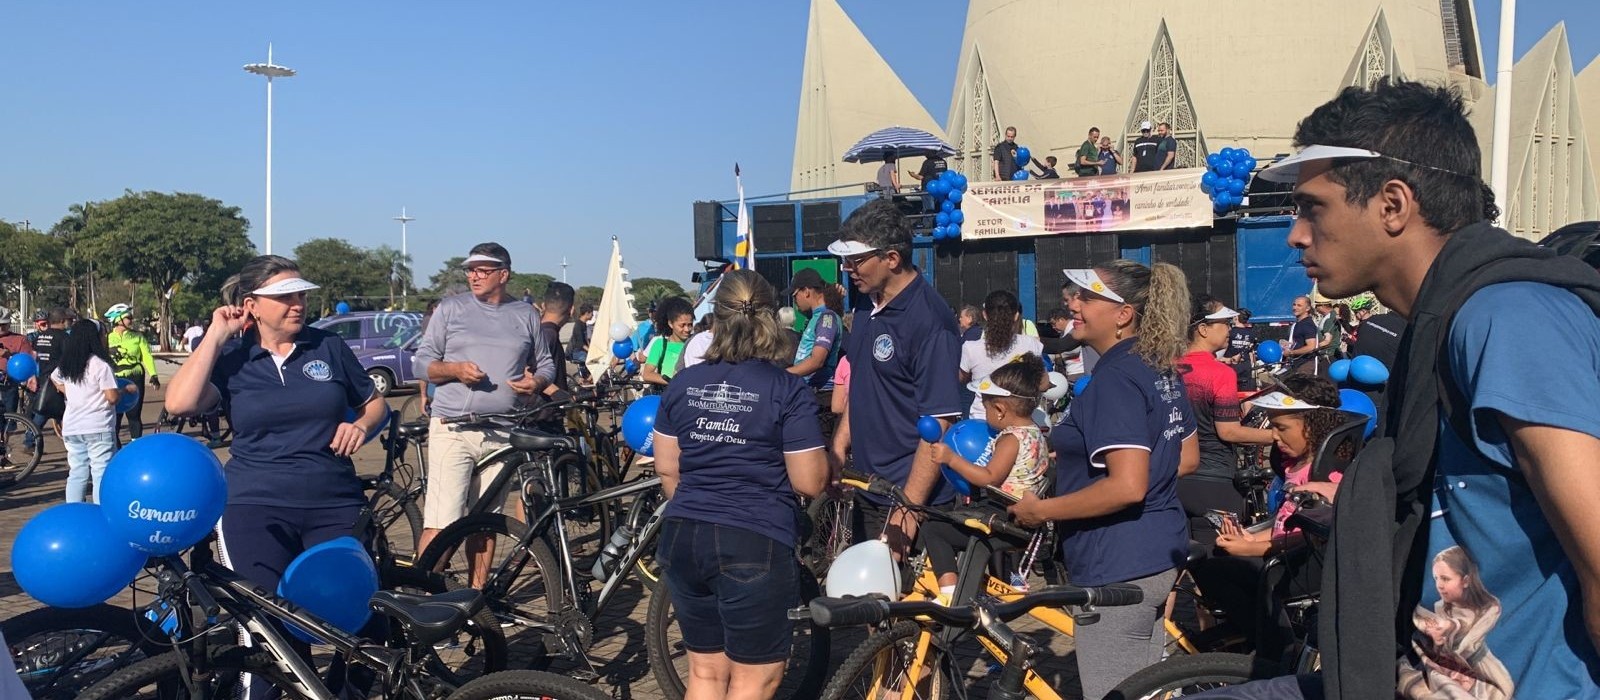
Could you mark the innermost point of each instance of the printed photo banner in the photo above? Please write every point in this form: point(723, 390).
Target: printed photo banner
point(1166, 199)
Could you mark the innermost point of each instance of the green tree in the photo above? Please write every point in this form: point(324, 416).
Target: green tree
point(166, 239)
point(588, 294)
point(649, 290)
point(531, 283)
point(398, 267)
point(344, 271)
point(450, 279)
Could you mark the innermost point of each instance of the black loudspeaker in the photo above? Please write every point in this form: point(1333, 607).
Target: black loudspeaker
point(819, 225)
point(773, 229)
point(707, 226)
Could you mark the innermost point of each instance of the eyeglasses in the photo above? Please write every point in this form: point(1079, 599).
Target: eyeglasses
point(482, 271)
point(852, 262)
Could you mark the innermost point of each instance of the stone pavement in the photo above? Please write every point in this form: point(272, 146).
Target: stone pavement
point(619, 649)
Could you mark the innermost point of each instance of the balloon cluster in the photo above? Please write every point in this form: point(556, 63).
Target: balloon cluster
point(1359, 375)
point(160, 495)
point(947, 191)
point(1023, 159)
point(1227, 175)
point(622, 346)
point(969, 438)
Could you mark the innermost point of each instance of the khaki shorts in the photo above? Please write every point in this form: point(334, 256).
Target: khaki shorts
point(453, 454)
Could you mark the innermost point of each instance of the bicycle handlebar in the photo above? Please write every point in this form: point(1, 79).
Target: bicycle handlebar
point(852, 612)
point(986, 522)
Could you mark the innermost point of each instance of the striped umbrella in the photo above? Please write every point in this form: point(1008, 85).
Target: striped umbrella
point(901, 142)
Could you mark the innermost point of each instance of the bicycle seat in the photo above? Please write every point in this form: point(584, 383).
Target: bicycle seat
point(413, 430)
point(429, 619)
point(534, 441)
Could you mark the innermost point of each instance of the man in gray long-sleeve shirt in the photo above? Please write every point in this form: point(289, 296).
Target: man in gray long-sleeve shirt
point(484, 352)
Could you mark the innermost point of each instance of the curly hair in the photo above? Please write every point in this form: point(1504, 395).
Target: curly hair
point(1319, 423)
point(1159, 295)
point(1023, 378)
point(1001, 310)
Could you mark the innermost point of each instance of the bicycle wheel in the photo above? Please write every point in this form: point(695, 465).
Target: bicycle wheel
point(829, 519)
point(529, 594)
point(587, 527)
point(639, 512)
point(174, 676)
point(1185, 675)
point(881, 667)
point(532, 685)
point(410, 409)
point(396, 525)
point(21, 449)
point(58, 651)
point(669, 661)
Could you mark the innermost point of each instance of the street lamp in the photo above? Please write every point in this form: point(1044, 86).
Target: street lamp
point(270, 70)
point(405, 289)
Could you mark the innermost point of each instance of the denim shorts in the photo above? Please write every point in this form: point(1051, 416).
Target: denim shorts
point(731, 589)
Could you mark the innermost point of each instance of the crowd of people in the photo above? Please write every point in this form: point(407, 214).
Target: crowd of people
point(1098, 155)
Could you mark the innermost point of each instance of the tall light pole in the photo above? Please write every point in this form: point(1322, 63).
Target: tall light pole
point(563, 269)
point(270, 70)
point(405, 287)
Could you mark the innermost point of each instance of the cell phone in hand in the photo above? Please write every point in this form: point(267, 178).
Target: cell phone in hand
point(1221, 520)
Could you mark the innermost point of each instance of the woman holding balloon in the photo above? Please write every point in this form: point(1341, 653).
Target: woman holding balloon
point(89, 425)
point(735, 439)
point(288, 389)
point(1119, 451)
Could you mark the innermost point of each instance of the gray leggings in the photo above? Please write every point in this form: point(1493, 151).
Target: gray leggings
point(1126, 639)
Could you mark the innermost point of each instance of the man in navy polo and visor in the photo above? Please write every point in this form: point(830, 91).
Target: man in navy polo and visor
point(904, 356)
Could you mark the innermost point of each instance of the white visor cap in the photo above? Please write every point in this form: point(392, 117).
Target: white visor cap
point(1086, 278)
point(1288, 169)
point(292, 285)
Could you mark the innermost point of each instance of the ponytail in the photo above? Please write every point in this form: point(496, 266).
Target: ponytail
point(1161, 301)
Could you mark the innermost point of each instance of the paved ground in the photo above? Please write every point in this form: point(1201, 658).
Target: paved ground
point(619, 650)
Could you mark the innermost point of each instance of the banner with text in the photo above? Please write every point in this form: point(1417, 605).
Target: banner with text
point(1166, 199)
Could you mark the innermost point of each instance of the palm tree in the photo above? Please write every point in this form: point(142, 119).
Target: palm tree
point(399, 271)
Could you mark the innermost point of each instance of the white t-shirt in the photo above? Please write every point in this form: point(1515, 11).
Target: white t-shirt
point(87, 411)
point(975, 360)
point(695, 352)
point(192, 334)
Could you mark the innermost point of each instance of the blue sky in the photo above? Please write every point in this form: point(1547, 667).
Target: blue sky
point(546, 126)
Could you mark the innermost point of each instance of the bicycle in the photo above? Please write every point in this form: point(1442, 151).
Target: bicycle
point(200, 425)
point(986, 616)
point(990, 534)
point(21, 449)
point(202, 664)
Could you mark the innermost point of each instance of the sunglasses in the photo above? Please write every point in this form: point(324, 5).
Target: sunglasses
point(852, 262)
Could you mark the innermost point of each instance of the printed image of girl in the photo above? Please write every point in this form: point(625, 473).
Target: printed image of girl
point(1019, 458)
point(1450, 638)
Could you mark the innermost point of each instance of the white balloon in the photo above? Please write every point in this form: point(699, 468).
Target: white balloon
point(620, 331)
point(1058, 387)
point(864, 569)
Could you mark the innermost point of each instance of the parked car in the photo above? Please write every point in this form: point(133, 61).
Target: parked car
point(388, 365)
point(372, 329)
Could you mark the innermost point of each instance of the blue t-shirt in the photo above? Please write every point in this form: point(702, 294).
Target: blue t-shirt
point(1127, 406)
point(734, 423)
point(904, 360)
point(822, 330)
point(1108, 164)
point(283, 421)
point(1519, 628)
point(643, 334)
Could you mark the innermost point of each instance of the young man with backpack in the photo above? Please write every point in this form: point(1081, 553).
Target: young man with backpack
point(1486, 488)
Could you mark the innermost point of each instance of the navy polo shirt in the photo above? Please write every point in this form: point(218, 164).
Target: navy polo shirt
point(734, 423)
point(904, 360)
point(283, 420)
point(1127, 406)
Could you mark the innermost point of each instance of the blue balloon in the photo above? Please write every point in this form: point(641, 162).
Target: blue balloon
point(1356, 402)
point(68, 557)
point(958, 218)
point(949, 178)
point(1250, 163)
point(163, 492)
point(639, 424)
point(1368, 370)
point(1080, 386)
point(1019, 175)
point(1213, 160)
point(947, 206)
point(929, 429)
point(955, 196)
point(1269, 351)
point(350, 416)
point(941, 231)
point(1236, 186)
point(1229, 154)
point(942, 219)
point(631, 366)
point(1240, 170)
point(970, 439)
point(937, 188)
point(333, 580)
point(960, 179)
point(22, 367)
point(1339, 370)
point(126, 400)
point(622, 348)
point(1208, 180)
point(341, 308)
point(1024, 156)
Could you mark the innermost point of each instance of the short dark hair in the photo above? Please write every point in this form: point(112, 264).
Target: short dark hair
point(1051, 160)
point(1166, 124)
point(493, 250)
point(1094, 129)
point(880, 224)
point(60, 314)
point(557, 297)
point(1059, 314)
point(585, 309)
point(1423, 129)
